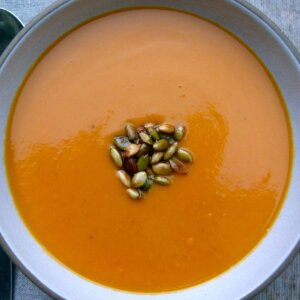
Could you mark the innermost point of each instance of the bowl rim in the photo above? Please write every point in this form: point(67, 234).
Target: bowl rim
point(266, 21)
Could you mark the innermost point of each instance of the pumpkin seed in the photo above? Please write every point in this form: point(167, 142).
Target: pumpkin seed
point(130, 166)
point(166, 128)
point(179, 133)
point(178, 166)
point(146, 138)
point(149, 125)
point(162, 169)
point(139, 179)
point(125, 178)
point(157, 157)
point(149, 172)
point(162, 180)
point(141, 129)
point(167, 137)
point(116, 156)
point(161, 145)
point(131, 132)
point(153, 133)
point(142, 162)
point(171, 151)
point(185, 155)
point(122, 142)
point(132, 150)
point(145, 149)
point(147, 185)
point(134, 194)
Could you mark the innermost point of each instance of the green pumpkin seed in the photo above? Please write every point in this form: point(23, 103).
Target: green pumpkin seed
point(185, 155)
point(149, 172)
point(153, 133)
point(162, 169)
point(145, 149)
point(161, 180)
point(132, 150)
point(149, 125)
point(125, 178)
point(178, 166)
point(134, 194)
point(146, 138)
point(179, 133)
point(116, 156)
point(122, 142)
point(166, 128)
point(139, 179)
point(142, 162)
point(147, 185)
point(157, 157)
point(131, 132)
point(167, 137)
point(171, 151)
point(161, 145)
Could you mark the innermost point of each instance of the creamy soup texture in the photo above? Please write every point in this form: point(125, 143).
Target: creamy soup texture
point(142, 66)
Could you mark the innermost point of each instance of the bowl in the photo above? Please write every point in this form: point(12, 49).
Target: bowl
point(282, 61)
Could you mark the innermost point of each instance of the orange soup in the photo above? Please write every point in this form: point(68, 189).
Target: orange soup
point(148, 65)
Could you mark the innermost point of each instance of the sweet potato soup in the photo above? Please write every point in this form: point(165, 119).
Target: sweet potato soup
point(148, 65)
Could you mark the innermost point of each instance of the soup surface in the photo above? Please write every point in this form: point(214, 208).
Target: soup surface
point(142, 66)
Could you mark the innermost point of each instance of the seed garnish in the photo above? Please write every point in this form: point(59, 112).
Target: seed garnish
point(148, 154)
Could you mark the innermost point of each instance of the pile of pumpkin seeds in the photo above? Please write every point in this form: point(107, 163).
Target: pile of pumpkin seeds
point(149, 154)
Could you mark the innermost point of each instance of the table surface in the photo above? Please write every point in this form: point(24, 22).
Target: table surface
point(286, 15)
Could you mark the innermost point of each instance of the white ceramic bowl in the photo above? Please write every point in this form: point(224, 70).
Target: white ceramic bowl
point(283, 63)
